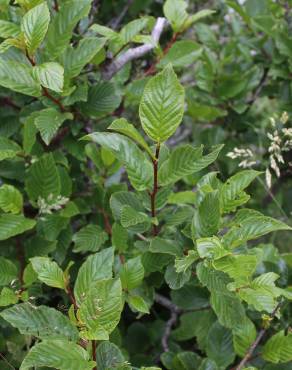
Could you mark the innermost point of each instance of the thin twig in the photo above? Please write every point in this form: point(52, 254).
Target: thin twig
point(93, 346)
point(114, 24)
point(258, 89)
point(254, 345)
point(134, 53)
point(155, 188)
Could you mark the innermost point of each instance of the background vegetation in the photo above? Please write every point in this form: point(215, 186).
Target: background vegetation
point(133, 247)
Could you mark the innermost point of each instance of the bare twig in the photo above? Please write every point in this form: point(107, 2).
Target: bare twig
point(114, 24)
point(134, 53)
point(258, 89)
point(175, 311)
point(259, 337)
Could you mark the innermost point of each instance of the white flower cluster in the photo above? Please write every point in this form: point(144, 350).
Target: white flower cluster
point(280, 141)
point(47, 206)
point(245, 154)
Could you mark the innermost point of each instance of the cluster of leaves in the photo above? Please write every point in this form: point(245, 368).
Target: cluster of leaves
point(122, 247)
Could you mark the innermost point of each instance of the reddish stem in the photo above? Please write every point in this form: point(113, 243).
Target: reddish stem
point(152, 69)
point(56, 5)
point(71, 296)
point(155, 188)
point(93, 346)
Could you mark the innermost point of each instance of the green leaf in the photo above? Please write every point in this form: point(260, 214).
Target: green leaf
point(160, 245)
point(239, 267)
point(176, 280)
point(97, 267)
point(8, 271)
point(48, 272)
point(162, 105)
point(207, 217)
point(102, 99)
point(61, 28)
point(133, 28)
point(74, 59)
point(244, 334)
point(8, 148)
point(182, 264)
point(132, 273)
point(89, 239)
point(11, 225)
point(278, 348)
point(181, 54)
point(122, 126)
point(43, 179)
point(35, 25)
point(185, 160)
point(137, 303)
point(194, 325)
point(8, 297)
point(48, 121)
point(251, 228)
point(108, 356)
point(199, 15)
point(211, 248)
point(232, 194)
point(8, 29)
point(175, 12)
point(41, 322)
point(130, 217)
point(19, 77)
point(138, 167)
point(101, 309)
point(219, 345)
point(10, 199)
point(58, 354)
point(50, 75)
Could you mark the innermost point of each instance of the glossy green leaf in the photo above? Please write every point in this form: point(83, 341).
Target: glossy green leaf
point(10, 199)
point(50, 75)
point(278, 348)
point(162, 105)
point(19, 77)
point(42, 322)
point(11, 225)
point(35, 25)
point(58, 354)
point(43, 178)
point(89, 238)
point(137, 303)
point(132, 273)
point(8, 271)
point(48, 272)
point(137, 165)
point(48, 121)
point(101, 309)
point(60, 29)
point(97, 267)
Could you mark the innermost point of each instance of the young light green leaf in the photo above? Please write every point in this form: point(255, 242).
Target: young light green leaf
point(58, 354)
point(211, 248)
point(97, 267)
point(18, 77)
point(101, 309)
point(8, 271)
point(132, 273)
point(137, 165)
point(10, 199)
point(122, 126)
point(48, 272)
point(8, 297)
point(137, 303)
point(162, 105)
point(175, 12)
point(41, 322)
point(50, 75)
point(48, 121)
point(11, 225)
point(35, 25)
